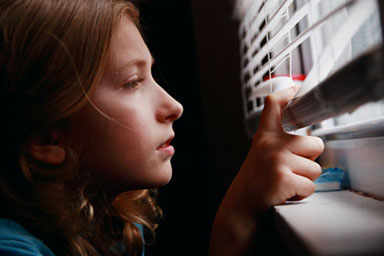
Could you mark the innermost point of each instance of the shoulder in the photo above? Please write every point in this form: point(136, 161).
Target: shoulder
point(17, 241)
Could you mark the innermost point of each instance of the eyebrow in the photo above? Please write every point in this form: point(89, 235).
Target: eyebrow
point(137, 62)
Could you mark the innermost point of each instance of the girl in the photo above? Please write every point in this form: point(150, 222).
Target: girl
point(87, 136)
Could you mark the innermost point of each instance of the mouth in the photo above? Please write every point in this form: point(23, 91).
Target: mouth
point(166, 148)
point(167, 143)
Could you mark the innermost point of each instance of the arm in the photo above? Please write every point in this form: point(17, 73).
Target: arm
point(278, 167)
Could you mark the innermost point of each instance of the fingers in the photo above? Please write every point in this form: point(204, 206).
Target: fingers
point(290, 156)
point(299, 173)
point(303, 172)
point(273, 108)
point(303, 188)
point(305, 167)
point(307, 146)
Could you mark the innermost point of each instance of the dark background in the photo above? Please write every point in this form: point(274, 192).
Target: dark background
point(195, 45)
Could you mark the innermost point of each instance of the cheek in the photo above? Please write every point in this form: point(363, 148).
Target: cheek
point(103, 136)
point(113, 148)
point(133, 112)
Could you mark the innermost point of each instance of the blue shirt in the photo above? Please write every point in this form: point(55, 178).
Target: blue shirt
point(17, 241)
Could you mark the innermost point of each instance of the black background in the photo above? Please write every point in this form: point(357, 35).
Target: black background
point(195, 45)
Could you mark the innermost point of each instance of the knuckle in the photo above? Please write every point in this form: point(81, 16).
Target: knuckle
point(311, 188)
point(258, 138)
point(263, 141)
point(282, 178)
point(279, 169)
point(278, 160)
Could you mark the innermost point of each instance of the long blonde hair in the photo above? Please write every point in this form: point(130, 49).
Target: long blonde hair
point(52, 53)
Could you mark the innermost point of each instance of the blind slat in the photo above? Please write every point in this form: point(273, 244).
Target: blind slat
point(358, 14)
point(277, 32)
point(254, 29)
point(294, 43)
point(283, 31)
point(249, 16)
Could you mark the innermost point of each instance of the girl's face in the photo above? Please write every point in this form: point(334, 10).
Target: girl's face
point(123, 136)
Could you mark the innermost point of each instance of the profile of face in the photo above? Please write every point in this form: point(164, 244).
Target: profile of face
point(125, 132)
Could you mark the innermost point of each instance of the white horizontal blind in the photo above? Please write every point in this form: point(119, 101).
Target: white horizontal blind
point(288, 38)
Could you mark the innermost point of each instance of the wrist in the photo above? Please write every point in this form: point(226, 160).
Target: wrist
point(234, 226)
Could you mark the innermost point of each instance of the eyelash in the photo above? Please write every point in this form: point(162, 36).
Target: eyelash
point(134, 83)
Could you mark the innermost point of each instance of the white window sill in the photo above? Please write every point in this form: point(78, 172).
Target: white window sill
point(332, 223)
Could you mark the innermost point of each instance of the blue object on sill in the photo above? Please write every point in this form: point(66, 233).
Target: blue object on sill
point(331, 179)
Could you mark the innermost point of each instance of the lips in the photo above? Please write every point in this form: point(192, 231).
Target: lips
point(166, 148)
point(166, 144)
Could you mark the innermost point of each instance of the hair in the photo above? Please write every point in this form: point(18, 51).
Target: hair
point(52, 54)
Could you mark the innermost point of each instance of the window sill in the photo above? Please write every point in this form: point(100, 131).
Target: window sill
point(332, 223)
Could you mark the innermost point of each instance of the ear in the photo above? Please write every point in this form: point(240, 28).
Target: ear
point(47, 149)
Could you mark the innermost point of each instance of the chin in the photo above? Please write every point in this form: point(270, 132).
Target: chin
point(162, 179)
point(162, 182)
point(155, 178)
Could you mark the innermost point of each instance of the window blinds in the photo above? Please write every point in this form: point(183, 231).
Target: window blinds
point(286, 38)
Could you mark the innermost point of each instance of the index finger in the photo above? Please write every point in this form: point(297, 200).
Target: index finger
point(271, 118)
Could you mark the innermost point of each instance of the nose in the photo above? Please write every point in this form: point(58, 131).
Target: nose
point(170, 109)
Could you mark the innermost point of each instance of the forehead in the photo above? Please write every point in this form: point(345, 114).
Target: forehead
point(127, 45)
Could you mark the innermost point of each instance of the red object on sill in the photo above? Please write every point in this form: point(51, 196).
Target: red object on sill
point(298, 77)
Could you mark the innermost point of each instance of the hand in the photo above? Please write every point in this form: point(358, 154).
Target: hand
point(279, 166)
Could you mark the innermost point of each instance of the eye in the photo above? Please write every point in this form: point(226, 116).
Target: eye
point(134, 84)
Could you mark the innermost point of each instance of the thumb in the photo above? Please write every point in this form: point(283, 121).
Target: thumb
point(274, 106)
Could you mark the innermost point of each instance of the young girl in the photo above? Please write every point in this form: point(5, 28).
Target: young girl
point(87, 133)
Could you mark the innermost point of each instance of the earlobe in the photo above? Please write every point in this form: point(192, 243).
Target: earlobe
point(52, 153)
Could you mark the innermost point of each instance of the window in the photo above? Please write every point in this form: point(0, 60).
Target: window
point(334, 48)
point(307, 41)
